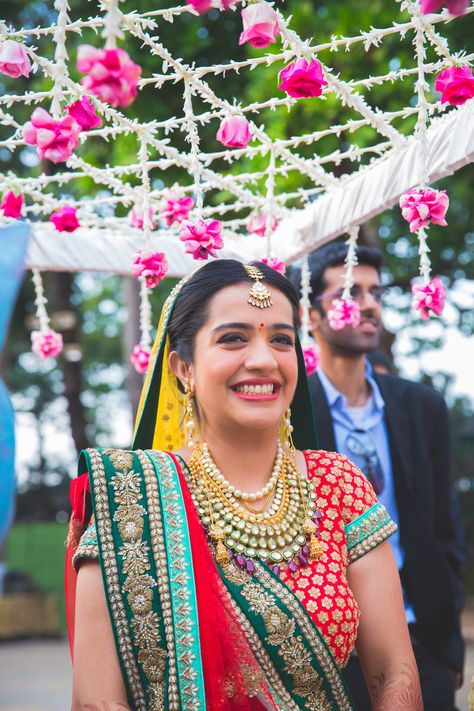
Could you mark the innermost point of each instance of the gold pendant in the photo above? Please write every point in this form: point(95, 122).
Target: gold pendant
point(316, 548)
point(259, 296)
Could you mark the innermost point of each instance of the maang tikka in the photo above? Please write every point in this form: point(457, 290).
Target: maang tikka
point(259, 295)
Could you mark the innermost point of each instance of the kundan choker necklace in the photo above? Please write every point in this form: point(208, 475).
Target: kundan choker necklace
point(284, 532)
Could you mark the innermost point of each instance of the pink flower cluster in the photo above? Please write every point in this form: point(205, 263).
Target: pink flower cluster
point(257, 223)
point(234, 132)
point(46, 344)
point(312, 357)
point(344, 312)
point(260, 23)
point(14, 61)
point(456, 85)
point(430, 297)
point(201, 239)
point(455, 7)
point(55, 140)
point(65, 219)
point(202, 6)
point(303, 79)
point(83, 112)
point(277, 264)
point(137, 217)
point(110, 74)
point(176, 208)
point(422, 207)
point(11, 204)
point(140, 358)
point(152, 266)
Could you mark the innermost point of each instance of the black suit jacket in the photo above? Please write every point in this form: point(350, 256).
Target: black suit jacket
point(418, 431)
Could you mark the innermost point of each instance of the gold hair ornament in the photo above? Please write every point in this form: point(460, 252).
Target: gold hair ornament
point(259, 295)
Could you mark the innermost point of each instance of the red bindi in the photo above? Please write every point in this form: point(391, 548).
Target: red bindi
point(262, 325)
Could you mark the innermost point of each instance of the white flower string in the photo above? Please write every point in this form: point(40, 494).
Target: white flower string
point(117, 187)
point(305, 302)
point(145, 316)
point(40, 301)
point(350, 262)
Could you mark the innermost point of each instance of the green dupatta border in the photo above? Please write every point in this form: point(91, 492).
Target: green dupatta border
point(142, 532)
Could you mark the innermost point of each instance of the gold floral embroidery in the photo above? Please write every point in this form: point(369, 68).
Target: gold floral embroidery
point(120, 458)
point(295, 654)
point(278, 625)
point(258, 598)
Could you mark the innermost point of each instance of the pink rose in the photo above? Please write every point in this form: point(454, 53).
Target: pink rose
point(46, 344)
point(110, 74)
point(55, 140)
point(257, 223)
point(176, 208)
point(455, 7)
point(430, 297)
point(201, 238)
point(137, 218)
point(260, 25)
point(234, 132)
point(201, 6)
point(152, 266)
point(456, 85)
point(302, 80)
point(421, 207)
point(14, 60)
point(344, 312)
point(311, 356)
point(65, 219)
point(277, 264)
point(140, 358)
point(11, 204)
point(83, 112)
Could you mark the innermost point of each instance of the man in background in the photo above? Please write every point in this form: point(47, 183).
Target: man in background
point(397, 433)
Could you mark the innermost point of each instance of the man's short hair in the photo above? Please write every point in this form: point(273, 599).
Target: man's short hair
point(333, 255)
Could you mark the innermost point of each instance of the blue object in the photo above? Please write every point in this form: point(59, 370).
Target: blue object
point(13, 244)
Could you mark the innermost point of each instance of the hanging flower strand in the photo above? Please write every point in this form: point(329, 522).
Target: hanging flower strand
point(345, 311)
point(46, 343)
point(310, 349)
point(140, 356)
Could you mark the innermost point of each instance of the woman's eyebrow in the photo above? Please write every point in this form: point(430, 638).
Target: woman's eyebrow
point(249, 327)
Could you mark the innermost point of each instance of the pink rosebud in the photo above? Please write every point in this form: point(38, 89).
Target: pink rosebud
point(46, 344)
point(65, 219)
point(137, 218)
point(11, 204)
point(201, 6)
point(275, 264)
point(456, 85)
point(234, 132)
point(421, 207)
point(455, 7)
point(55, 140)
point(257, 223)
point(176, 208)
point(14, 60)
point(344, 312)
point(430, 297)
point(201, 238)
point(260, 25)
point(152, 266)
point(140, 358)
point(83, 112)
point(302, 80)
point(311, 356)
point(110, 74)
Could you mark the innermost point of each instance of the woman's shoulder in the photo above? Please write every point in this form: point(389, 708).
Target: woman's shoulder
point(321, 461)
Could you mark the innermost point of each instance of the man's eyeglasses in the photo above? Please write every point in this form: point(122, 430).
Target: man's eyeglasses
point(376, 292)
point(360, 444)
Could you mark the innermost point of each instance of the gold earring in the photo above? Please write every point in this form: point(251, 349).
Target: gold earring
point(190, 417)
point(288, 429)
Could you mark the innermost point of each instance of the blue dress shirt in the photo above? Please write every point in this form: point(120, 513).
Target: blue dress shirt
point(371, 418)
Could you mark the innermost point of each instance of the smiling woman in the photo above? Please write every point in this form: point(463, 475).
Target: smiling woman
point(231, 572)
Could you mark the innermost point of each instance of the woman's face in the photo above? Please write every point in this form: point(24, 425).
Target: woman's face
point(245, 370)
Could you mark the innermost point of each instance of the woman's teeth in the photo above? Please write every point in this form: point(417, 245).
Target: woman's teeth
point(267, 389)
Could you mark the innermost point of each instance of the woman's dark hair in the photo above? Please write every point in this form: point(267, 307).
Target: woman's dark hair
point(192, 305)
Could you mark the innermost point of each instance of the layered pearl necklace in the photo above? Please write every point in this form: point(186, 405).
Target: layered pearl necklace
point(283, 532)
